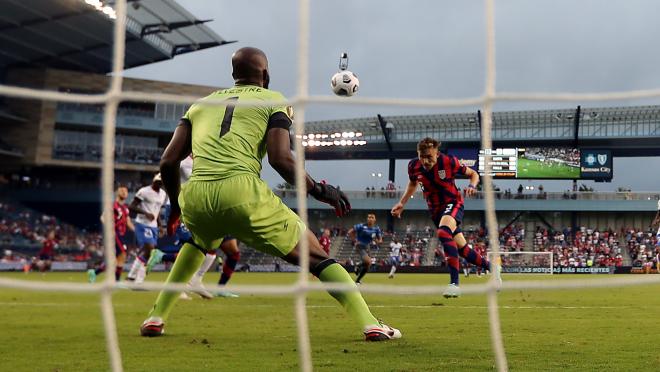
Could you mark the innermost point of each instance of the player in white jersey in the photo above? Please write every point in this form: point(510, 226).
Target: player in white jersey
point(147, 204)
point(395, 255)
point(656, 222)
point(229, 246)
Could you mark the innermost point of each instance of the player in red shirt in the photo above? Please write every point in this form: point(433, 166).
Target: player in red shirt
point(47, 252)
point(325, 242)
point(435, 173)
point(122, 223)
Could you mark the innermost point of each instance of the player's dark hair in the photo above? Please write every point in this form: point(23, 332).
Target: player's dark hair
point(427, 143)
point(121, 185)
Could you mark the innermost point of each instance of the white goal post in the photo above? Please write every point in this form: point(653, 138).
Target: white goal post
point(525, 262)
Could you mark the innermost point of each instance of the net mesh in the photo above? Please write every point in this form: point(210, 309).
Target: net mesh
point(299, 290)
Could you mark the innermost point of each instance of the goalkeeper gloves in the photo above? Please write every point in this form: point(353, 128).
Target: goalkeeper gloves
point(331, 195)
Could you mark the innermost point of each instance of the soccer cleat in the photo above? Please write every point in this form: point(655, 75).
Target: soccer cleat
point(226, 294)
point(91, 275)
point(184, 296)
point(391, 276)
point(155, 257)
point(203, 293)
point(380, 332)
point(452, 291)
point(152, 327)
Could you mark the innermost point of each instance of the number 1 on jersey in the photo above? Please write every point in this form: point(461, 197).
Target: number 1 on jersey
point(229, 114)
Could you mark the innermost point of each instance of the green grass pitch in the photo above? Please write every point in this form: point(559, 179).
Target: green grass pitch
point(613, 329)
point(535, 169)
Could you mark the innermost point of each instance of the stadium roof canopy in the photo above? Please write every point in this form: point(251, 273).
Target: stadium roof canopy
point(78, 34)
point(627, 131)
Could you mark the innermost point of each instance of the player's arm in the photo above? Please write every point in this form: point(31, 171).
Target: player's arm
point(278, 145)
point(135, 208)
point(398, 207)
point(129, 224)
point(179, 148)
point(352, 234)
point(474, 181)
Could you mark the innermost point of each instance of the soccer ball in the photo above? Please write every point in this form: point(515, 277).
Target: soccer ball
point(344, 83)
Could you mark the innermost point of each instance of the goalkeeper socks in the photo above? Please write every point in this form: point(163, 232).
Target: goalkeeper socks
point(329, 271)
point(188, 261)
point(118, 271)
point(228, 267)
point(472, 257)
point(451, 251)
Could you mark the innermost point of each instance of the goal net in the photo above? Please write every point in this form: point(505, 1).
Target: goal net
point(524, 262)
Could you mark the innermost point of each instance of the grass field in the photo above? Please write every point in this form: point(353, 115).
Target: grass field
point(535, 169)
point(612, 329)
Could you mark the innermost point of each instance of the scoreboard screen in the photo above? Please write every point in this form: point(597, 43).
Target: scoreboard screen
point(531, 162)
point(503, 162)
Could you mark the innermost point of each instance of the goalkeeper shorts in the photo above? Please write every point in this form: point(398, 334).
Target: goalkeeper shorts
point(243, 206)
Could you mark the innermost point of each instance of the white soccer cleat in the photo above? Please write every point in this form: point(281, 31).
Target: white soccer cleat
point(185, 296)
point(452, 291)
point(380, 332)
point(203, 292)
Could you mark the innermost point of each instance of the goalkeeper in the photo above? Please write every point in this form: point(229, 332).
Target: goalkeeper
point(225, 193)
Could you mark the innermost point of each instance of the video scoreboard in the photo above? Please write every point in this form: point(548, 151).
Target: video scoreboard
point(503, 162)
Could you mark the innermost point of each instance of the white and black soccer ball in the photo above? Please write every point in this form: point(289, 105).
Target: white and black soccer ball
point(344, 83)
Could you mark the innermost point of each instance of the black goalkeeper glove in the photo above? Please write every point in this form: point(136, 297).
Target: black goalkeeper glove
point(331, 195)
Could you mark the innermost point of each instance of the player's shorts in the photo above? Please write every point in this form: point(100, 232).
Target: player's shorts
point(395, 260)
point(120, 246)
point(455, 210)
point(243, 206)
point(145, 235)
point(45, 257)
point(364, 250)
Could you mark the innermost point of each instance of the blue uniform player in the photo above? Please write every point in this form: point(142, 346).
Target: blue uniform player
point(363, 235)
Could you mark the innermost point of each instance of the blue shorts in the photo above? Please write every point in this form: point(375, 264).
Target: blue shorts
point(394, 260)
point(145, 235)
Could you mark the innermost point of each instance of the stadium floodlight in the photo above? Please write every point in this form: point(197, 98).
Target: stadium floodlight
point(351, 134)
point(343, 142)
point(303, 137)
point(358, 134)
point(349, 143)
point(105, 9)
point(310, 136)
point(304, 143)
point(337, 143)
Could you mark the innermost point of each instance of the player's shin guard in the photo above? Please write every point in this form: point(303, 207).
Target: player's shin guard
point(451, 251)
point(472, 257)
point(188, 261)
point(228, 267)
point(331, 272)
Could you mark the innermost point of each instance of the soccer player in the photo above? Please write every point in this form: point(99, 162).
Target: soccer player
point(395, 255)
point(325, 241)
point(147, 204)
point(47, 252)
point(656, 222)
point(435, 173)
point(121, 222)
point(226, 194)
point(363, 235)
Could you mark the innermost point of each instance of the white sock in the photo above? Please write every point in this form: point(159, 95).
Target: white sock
point(206, 265)
point(141, 274)
point(392, 270)
point(134, 269)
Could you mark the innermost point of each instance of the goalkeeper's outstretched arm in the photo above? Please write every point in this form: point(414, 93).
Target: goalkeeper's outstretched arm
point(278, 145)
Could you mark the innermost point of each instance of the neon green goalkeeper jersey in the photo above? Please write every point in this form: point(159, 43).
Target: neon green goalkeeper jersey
point(230, 140)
